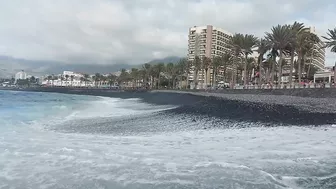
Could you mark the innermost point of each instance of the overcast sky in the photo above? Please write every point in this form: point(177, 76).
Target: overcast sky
point(136, 31)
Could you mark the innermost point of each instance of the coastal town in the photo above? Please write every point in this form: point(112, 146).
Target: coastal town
point(289, 56)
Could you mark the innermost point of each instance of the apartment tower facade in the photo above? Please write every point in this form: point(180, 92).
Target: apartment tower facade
point(316, 58)
point(319, 53)
point(206, 41)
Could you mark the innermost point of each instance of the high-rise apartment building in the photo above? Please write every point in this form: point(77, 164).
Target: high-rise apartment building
point(206, 41)
point(318, 54)
point(316, 58)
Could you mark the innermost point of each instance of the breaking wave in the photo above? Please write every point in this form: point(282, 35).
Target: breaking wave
point(162, 141)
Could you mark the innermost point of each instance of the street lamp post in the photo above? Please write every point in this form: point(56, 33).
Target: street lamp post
point(334, 69)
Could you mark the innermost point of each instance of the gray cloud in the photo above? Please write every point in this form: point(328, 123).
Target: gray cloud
point(114, 31)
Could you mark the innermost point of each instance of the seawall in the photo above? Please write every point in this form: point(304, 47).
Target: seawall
point(280, 107)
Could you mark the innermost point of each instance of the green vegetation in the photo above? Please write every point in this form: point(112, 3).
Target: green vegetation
point(294, 41)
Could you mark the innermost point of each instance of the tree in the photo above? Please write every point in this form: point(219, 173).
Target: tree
point(197, 65)
point(262, 47)
point(281, 36)
point(97, 78)
point(297, 30)
point(171, 70)
point(62, 78)
point(49, 78)
point(250, 67)
point(81, 80)
point(124, 77)
point(134, 76)
point(32, 80)
point(71, 79)
point(206, 63)
point(23, 82)
point(306, 41)
point(157, 70)
point(331, 43)
point(86, 79)
point(66, 79)
point(111, 79)
point(216, 64)
point(237, 41)
point(182, 70)
point(248, 43)
point(330, 40)
point(147, 70)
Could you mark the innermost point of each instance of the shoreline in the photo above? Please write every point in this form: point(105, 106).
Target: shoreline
point(302, 92)
point(270, 110)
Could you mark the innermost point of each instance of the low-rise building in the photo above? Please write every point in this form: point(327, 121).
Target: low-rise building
point(20, 75)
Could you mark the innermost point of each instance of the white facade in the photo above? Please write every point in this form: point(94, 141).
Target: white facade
point(206, 41)
point(63, 83)
point(20, 75)
point(318, 58)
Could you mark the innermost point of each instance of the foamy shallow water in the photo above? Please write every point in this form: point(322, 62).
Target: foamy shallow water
point(35, 156)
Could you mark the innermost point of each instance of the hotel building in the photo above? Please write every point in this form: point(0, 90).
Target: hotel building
point(206, 41)
point(318, 56)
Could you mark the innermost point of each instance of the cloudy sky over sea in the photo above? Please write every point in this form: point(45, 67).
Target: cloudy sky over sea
point(108, 31)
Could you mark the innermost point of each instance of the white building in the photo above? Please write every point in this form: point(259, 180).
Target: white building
point(318, 54)
point(68, 78)
point(206, 41)
point(20, 75)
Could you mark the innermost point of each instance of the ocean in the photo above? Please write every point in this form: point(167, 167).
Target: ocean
point(50, 140)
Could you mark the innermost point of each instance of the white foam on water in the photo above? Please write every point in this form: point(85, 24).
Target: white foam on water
point(255, 156)
point(236, 158)
point(114, 107)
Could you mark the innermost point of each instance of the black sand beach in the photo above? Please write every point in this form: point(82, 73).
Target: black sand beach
point(281, 107)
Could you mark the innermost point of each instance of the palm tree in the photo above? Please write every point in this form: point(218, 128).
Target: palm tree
point(134, 76)
point(249, 42)
point(331, 43)
point(226, 62)
point(237, 47)
point(216, 64)
point(297, 29)
point(197, 65)
point(206, 63)
point(97, 78)
point(147, 69)
point(250, 67)
point(262, 47)
point(49, 77)
point(171, 71)
point(71, 79)
point(331, 40)
point(67, 79)
point(182, 70)
point(61, 78)
point(158, 69)
point(272, 60)
point(124, 77)
point(86, 79)
point(32, 80)
point(306, 41)
point(111, 79)
point(281, 36)
point(267, 65)
point(81, 80)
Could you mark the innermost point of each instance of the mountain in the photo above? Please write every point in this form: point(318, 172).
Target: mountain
point(169, 59)
point(9, 66)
